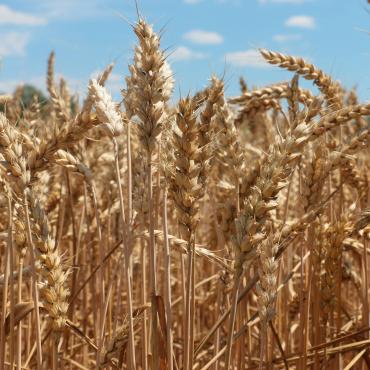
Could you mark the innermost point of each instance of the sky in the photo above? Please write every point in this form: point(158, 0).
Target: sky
point(201, 37)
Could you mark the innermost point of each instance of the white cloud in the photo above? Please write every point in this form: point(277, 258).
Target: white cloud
point(70, 9)
point(203, 37)
point(10, 16)
point(232, 2)
point(302, 21)
point(287, 37)
point(114, 83)
point(73, 9)
point(247, 58)
point(8, 86)
point(75, 85)
point(13, 43)
point(282, 1)
point(184, 53)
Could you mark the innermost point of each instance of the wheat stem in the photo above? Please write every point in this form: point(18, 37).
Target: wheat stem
point(35, 290)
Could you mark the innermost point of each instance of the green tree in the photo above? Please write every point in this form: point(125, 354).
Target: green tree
point(29, 91)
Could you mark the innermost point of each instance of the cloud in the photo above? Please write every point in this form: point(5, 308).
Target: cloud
point(247, 58)
point(282, 1)
point(184, 53)
point(70, 9)
point(10, 16)
point(8, 86)
point(114, 83)
point(38, 81)
point(217, 1)
point(287, 37)
point(203, 37)
point(231, 2)
point(302, 21)
point(13, 43)
point(73, 9)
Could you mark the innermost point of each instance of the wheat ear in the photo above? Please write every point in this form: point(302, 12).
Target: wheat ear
point(330, 89)
point(149, 88)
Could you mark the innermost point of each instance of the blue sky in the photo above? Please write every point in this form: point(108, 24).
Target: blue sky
point(202, 36)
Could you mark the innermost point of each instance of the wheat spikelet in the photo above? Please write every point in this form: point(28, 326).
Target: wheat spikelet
point(329, 88)
point(206, 131)
point(333, 237)
point(229, 149)
point(184, 187)
point(120, 341)
point(266, 288)
point(59, 105)
point(272, 91)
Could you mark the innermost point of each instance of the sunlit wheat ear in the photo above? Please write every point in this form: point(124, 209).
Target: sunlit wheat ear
point(106, 110)
point(330, 89)
point(88, 102)
point(273, 91)
point(267, 98)
point(149, 86)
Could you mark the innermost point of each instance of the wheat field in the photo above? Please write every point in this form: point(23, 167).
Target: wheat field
point(212, 232)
